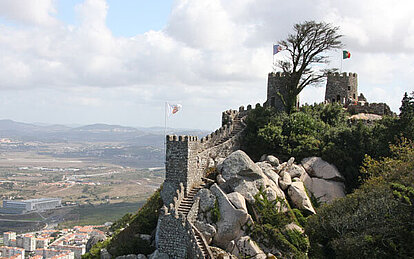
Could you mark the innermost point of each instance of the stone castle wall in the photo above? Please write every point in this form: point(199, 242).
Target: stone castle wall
point(172, 233)
point(276, 87)
point(374, 108)
point(176, 233)
point(188, 157)
point(341, 87)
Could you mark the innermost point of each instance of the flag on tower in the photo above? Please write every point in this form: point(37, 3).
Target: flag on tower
point(276, 48)
point(346, 54)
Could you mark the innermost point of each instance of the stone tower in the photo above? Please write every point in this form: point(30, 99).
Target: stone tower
point(342, 88)
point(276, 87)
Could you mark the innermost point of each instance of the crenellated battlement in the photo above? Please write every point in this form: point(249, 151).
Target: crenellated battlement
point(341, 88)
point(277, 90)
point(278, 74)
point(188, 157)
point(342, 75)
point(373, 108)
point(182, 138)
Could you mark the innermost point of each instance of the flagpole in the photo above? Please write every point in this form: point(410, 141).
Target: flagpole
point(165, 129)
point(341, 62)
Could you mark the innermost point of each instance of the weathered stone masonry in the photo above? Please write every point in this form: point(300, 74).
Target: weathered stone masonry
point(276, 90)
point(342, 88)
point(187, 158)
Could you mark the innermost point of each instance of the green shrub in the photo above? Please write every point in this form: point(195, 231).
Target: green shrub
point(376, 220)
point(271, 237)
point(301, 220)
point(215, 212)
point(269, 229)
point(323, 130)
point(95, 252)
point(143, 222)
point(298, 239)
point(269, 211)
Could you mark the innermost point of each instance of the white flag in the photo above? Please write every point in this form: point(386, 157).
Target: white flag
point(173, 108)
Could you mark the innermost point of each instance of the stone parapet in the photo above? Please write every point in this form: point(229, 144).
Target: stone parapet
point(172, 233)
point(277, 90)
point(341, 87)
point(373, 108)
point(187, 158)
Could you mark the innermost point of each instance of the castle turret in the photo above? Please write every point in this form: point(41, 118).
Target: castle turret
point(180, 165)
point(276, 88)
point(342, 88)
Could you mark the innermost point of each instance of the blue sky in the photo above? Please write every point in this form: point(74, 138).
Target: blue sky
point(119, 61)
point(125, 18)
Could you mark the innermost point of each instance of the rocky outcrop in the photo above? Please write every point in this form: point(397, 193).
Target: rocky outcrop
point(296, 171)
point(237, 200)
point(239, 166)
point(322, 179)
point(206, 229)
point(93, 240)
point(245, 247)
point(299, 198)
point(285, 180)
point(221, 217)
point(221, 254)
point(242, 175)
point(324, 190)
point(269, 171)
point(317, 167)
point(229, 226)
point(207, 200)
point(272, 160)
point(105, 254)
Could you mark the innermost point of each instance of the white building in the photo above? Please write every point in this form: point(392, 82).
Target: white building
point(42, 243)
point(78, 251)
point(7, 237)
point(50, 253)
point(15, 252)
point(24, 206)
point(29, 243)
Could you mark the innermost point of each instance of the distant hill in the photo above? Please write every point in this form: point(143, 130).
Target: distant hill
point(107, 128)
point(153, 136)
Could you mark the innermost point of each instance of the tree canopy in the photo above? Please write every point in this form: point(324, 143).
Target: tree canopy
point(307, 46)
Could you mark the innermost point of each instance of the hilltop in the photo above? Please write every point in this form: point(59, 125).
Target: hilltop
point(249, 208)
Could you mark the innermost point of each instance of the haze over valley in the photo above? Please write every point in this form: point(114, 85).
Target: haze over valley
point(92, 168)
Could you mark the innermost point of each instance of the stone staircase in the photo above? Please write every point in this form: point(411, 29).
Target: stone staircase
point(237, 128)
point(185, 207)
point(187, 202)
point(201, 243)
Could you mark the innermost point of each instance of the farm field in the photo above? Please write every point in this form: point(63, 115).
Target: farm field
point(92, 192)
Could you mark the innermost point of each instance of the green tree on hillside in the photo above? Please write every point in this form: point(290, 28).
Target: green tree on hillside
point(306, 47)
point(407, 115)
point(376, 221)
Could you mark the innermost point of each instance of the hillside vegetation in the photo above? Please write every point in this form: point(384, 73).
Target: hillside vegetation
point(376, 221)
point(377, 160)
point(324, 130)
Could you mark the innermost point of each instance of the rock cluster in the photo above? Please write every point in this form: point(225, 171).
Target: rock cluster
point(322, 179)
point(240, 179)
point(225, 209)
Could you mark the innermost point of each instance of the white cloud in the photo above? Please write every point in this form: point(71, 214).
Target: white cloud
point(38, 12)
point(211, 55)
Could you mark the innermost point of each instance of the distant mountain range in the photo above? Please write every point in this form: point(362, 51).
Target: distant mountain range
point(153, 136)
